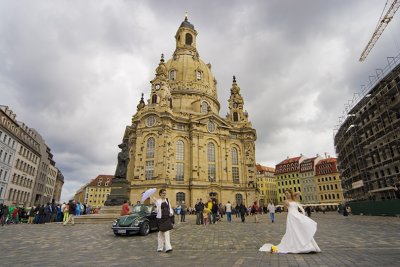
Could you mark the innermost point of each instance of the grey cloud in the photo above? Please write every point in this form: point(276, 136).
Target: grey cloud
point(75, 70)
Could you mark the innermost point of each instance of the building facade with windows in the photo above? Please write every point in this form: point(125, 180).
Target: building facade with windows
point(287, 175)
point(266, 185)
point(367, 142)
point(8, 145)
point(24, 171)
point(307, 180)
point(97, 191)
point(178, 140)
point(328, 182)
point(21, 162)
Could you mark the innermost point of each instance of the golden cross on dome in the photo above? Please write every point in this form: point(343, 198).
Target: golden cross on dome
point(186, 15)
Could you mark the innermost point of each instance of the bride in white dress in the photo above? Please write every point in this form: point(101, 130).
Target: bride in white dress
point(300, 230)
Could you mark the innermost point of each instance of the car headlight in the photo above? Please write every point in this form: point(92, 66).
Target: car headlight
point(136, 223)
point(114, 223)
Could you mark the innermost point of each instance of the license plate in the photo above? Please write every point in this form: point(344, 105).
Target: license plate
point(121, 231)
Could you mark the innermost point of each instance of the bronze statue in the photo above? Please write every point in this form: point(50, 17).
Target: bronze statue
point(123, 160)
point(120, 185)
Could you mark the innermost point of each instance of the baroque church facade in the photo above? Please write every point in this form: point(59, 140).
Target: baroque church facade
point(178, 140)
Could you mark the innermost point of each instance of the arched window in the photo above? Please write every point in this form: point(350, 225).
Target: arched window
point(234, 156)
point(235, 116)
point(180, 158)
point(210, 152)
point(239, 198)
point(198, 75)
point(211, 162)
point(154, 99)
point(204, 107)
point(150, 147)
point(180, 196)
point(188, 39)
point(149, 170)
point(235, 168)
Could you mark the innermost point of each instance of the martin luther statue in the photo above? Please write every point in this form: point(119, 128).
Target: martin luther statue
point(120, 186)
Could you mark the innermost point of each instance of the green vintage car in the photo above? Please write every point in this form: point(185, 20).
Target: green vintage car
point(142, 220)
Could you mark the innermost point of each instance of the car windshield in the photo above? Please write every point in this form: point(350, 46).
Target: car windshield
point(142, 209)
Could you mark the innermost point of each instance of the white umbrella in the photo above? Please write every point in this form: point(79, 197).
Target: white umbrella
point(147, 194)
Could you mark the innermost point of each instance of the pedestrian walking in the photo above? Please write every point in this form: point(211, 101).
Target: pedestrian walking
point(71, 212)
point(31, 215)
point(206, 213)
point(199, 207)
point(178, 210)
point(241, 209)
point(65, 212)
point(254, 211)
point(214, 211)
point(183, 211)
point(308, 211)
point(271, 209)
point(228, 211)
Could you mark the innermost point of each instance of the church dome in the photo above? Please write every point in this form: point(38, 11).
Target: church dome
point(186, 72)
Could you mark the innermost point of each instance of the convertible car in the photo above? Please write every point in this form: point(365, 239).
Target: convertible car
point(142, 220)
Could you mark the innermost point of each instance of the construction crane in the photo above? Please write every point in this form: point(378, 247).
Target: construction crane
point(383, 22)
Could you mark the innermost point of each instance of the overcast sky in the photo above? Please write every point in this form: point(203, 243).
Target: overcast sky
point(75, 70)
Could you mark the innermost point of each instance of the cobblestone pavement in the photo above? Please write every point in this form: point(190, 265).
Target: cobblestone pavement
point(353, 241)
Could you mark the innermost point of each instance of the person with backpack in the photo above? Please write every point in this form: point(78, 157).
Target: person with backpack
point(31, 215)
point(71, 212)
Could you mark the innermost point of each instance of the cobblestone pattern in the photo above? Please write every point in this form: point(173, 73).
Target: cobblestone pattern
point(353, 241)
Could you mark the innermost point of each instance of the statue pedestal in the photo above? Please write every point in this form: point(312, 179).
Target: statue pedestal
point(119, 192)
point(107, 214)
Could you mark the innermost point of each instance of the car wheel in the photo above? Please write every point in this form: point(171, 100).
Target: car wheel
point(145, 228)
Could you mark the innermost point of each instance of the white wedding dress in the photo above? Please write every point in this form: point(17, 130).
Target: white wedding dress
point(299, 236)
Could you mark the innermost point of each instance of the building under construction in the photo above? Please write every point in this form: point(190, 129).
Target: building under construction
point(367, 141)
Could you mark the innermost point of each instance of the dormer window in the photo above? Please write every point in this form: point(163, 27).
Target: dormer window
point(172, 75)
point(198, 75)
point(154, 99)
point(204, 107)
point(188, 39)
point(235, 116)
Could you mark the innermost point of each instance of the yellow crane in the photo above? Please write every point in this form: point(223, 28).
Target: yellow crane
point(383, 22)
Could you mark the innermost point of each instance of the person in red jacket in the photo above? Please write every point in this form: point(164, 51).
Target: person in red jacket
point(125, 208)
point(15, 216)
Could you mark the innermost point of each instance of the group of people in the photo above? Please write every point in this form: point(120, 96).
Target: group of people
point(40, 214)
point(300, 229)
point(10, 214)
point(34, 215)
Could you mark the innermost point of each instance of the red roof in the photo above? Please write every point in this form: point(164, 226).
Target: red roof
point(261, 168)
point(290, 160)
point(327, 160)
point(104, 178)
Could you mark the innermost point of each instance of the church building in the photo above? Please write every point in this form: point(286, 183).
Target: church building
point(178, 140)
